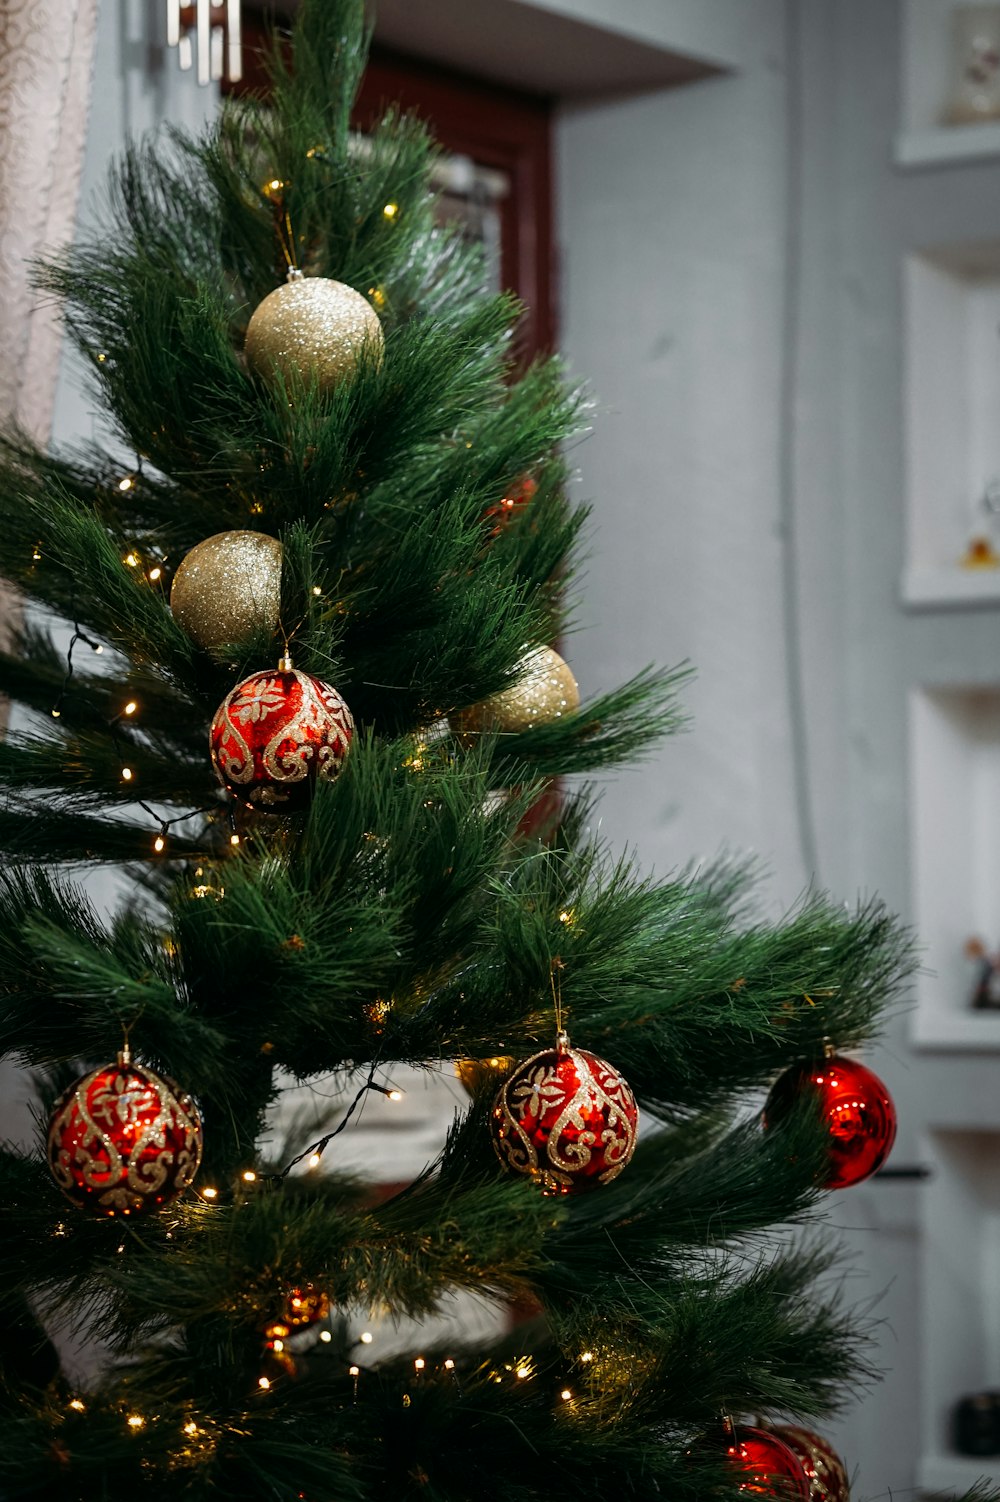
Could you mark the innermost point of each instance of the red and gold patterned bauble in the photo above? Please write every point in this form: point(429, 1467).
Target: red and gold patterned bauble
point(824, 1468)
point(305, 1306)
point(856, 1109)
point(123, 1140)
point(566, 1118)
point(275, 734)
point(766, 1465)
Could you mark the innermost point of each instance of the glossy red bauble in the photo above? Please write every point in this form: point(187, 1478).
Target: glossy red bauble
point(123, 1140)
point(824, 1468)
point(566, 1118)
point(766, 1466)
point(276, 734)
point(856, 1109)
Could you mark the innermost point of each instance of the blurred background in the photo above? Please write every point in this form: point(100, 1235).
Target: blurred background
point(767, 237)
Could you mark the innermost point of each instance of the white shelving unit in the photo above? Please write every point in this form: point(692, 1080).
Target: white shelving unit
point(952, 410)
point(923, 139)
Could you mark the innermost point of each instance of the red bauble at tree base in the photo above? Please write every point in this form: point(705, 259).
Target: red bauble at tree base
point(566, 1118)
point(276, 734)
point(824, 1468)
point(765, 1465)
point(124, 1140)
point(855, 1107)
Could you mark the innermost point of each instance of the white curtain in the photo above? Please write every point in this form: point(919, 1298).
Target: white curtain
point(46, 52)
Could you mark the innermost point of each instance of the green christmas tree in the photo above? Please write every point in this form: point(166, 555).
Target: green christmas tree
point(407, 909)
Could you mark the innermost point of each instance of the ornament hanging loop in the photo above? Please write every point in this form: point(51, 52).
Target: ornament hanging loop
point(555, 981)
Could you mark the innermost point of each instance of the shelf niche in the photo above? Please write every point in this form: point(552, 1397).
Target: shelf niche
point(961, 1299)
point(923, 140)
point(955, 770)
point(952, 312)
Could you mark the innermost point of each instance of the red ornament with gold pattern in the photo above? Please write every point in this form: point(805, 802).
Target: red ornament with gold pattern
point(123, 1140)
point(765, 1464)
point(824, 1468)
point(855, 1108)
point(276, 735)
point(566, 1118)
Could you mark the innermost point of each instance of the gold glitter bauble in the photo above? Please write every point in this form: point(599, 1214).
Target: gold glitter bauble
point(545, 691)
point(227, 588)
point(477, 1074)
point(312, 327)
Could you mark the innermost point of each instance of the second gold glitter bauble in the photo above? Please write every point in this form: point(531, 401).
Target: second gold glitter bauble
point(312, 328)
point(545, 691)
point(228, 588)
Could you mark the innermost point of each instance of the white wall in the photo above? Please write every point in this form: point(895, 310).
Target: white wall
point(686, 287)
point(671, 209)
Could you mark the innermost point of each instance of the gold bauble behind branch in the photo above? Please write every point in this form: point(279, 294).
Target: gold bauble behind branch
point(480, 1074)
point(312, 327)
point(227, 588)
point(545, 691)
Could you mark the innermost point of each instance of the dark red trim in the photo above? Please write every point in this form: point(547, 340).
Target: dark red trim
point(498, 128)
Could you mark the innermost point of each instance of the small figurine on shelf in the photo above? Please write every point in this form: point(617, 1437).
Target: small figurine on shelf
point(986, 985)
point(976, 1424)
point(975, 88)
point(981, 552)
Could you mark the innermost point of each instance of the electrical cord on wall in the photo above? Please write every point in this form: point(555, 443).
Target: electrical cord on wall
point(790, 333)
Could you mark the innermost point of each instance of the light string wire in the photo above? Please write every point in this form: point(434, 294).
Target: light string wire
point(317, 1148)
point(165, 825)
